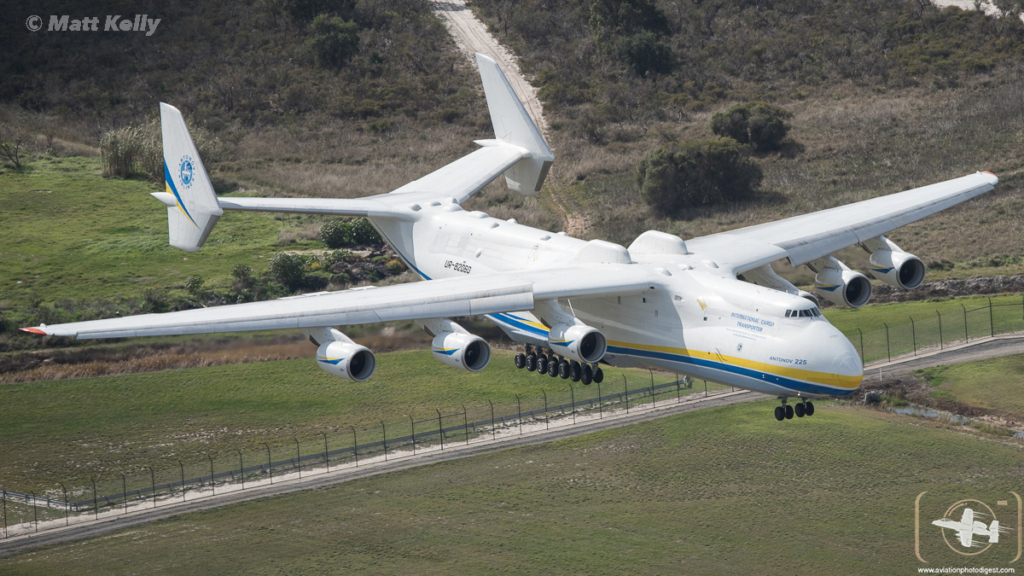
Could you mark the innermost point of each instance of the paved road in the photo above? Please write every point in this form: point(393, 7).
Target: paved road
point(1003, 345)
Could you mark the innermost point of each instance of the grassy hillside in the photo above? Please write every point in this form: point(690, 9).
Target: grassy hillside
point(995, 385)
point(723, 491)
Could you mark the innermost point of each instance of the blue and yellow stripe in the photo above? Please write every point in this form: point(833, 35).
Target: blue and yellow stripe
point(172, 189)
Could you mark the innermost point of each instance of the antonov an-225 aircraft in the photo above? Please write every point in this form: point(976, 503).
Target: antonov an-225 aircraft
point(711, 307)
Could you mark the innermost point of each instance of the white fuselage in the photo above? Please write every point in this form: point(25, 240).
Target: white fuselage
point(696, 320)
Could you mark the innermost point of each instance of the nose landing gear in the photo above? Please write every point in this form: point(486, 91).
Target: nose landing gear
point(786, 411)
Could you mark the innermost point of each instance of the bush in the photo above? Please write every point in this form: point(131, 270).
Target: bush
point(244, 275)
point(699, 173)
point(138, 149)
point(364, 234)
point(646, 54)
point(334, 41)
point(288, 269)
point(756, 123)
point(194, 285)
point(336, 234)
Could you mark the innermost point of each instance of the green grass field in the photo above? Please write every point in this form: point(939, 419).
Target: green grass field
point(995, 385)
point(719, 491)
point(70, 430)
point(67, 232)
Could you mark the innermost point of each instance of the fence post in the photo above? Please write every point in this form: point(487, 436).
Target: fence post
point(95, 500)
point(654, 401)
point(355, 445)
point(124, 492)
point(572, 392)
point(66, 506)
point(940, 328)
point(520, 403)
point(888, 353)
point(412, 424)
point(991, 324)
point(625, 386)
point(212, 487)
point(270, 463)
point(547, 423)
point(493, 433)
point(913, 333)
point(385, 430)
point(298, 456)
point(678, 397)
point(600, 402)
point(465, 423)
point(6, 535)
point(35, 511)
point(182, 467)
point(440, 430)
point(705, 388)
point(967, 339)
point(241, 471)
point(327, 461)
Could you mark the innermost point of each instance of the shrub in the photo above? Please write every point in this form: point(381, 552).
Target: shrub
point(336, 234)
point(395, 266)
point(244, 275)
point(154, 299)
point(334, 41)
point(698, 173)
point(194, 285)
point(288, 269)
point(138, 149)
point(756, 123)
point(646, 53)
point(364, 234)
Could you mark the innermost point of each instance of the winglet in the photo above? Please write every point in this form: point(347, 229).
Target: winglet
point(513, 125)
point(195, 210)
point(34, 331)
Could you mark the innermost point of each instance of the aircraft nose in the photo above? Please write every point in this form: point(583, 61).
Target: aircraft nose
point(835, 356)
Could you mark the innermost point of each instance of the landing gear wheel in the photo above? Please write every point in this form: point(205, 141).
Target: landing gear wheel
point(799, 409)
point(575, 371)
point(780, 414)
point(587, 376)
point(553, 368)
point(541, 357)
point(809, 409)
point(598, 375)
point(542, 364)
point(531, 362)
point(789, 412)
point(520, 360)
point(563, 369)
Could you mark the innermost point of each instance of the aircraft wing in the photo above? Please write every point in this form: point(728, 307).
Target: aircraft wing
point(419, 300)
point(804, 238)
point(464, 177)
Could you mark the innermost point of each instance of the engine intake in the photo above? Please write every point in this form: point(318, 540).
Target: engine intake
point(462, 351)
point(578, 342)
point(900, 269)
point(836, 283)
point(346, 360)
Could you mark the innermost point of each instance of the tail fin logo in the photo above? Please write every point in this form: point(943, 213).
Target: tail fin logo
point(187, 172)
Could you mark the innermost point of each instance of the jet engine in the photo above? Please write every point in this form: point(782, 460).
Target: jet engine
point(463, 351)
point(339, 356)
point(347, 360)
point(454, 346)
point(578, 342)
point(890, 264)
point(836, 283)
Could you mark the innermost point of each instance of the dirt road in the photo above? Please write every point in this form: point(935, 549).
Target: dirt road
point(472, 36)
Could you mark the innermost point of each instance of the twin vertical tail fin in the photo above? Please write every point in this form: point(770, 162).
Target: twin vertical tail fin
point(192, 206)
point(512, 125)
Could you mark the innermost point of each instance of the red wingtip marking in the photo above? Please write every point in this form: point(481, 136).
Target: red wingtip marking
point(987, 172)
point(34, 331)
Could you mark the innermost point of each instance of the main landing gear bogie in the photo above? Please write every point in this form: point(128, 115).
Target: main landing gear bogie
point(556, 366)
point(787, 411)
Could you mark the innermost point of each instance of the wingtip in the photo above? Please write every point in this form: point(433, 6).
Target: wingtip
point(994, 177)
point(31, 330)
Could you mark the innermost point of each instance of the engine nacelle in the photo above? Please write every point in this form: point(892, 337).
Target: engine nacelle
point(897, 268)
point(843, 286)
point(346, 359)
point(578, 342)
point(462, 351)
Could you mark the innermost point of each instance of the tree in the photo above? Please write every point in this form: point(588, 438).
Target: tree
point(336, 234)
point(194, 285)
point(364, 234)
point(334, 41)
point(699, 173)
point(646, 53)
point(12, 140)
point(288, 269)
point(756, 123)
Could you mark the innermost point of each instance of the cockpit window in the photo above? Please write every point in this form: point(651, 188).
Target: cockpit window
point(806, 313)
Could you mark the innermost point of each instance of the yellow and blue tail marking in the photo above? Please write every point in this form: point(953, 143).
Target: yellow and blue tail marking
point(172, 189)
